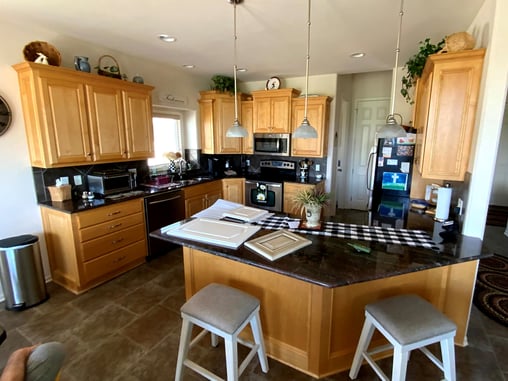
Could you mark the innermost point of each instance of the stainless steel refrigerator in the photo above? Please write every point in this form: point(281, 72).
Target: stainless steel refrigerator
point(393, 167)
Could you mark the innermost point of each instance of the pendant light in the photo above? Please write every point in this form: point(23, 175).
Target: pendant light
point(392, 129)
point(236, 130)
point(305, 130)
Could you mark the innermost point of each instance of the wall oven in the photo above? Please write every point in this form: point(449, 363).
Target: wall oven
point(264, 195)
point(272, 144)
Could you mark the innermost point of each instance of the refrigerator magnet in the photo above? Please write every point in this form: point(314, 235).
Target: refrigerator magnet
point(404, 167)
point(392, 162)
point(387, 151)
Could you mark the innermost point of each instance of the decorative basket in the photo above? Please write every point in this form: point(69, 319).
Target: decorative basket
point(107, 70)
point(457, 42)
point(30, 52)
point(61, 193)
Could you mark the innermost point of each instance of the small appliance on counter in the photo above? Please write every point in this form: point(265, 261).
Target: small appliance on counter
point(305, 168)
point(441, 197)
point(110, 181)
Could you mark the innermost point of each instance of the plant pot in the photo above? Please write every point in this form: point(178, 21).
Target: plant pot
point(313, 215)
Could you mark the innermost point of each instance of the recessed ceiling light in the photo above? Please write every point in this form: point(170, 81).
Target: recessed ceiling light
point(358, 55)
point(189, 66)
point(241, 69)
point(166, 38)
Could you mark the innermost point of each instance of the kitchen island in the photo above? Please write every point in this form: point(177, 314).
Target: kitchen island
point(312, 301)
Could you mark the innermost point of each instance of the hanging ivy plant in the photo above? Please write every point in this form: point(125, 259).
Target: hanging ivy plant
point(223, 83)
point(414, 66)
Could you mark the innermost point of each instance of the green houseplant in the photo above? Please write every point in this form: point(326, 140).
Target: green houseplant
point(223, 83)
point(312, 201)
point(414, 66)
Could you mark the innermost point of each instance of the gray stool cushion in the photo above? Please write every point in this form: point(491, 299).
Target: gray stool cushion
point(409, 318)
point(221, 306)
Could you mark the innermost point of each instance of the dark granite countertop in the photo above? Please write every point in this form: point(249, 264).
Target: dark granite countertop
point(331, 262)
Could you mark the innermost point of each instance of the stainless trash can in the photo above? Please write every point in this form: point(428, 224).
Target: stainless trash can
point(21, 272)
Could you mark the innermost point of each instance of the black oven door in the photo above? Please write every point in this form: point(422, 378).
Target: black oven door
point(264, 195)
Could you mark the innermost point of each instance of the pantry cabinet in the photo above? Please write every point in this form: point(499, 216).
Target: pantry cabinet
point(290, 192)
point(201, 196)
point(88, 248)
point(217, 113)
point(76, 118)
point(272, 110)
point(318, 115)
point(234, 190)
point(445, 112)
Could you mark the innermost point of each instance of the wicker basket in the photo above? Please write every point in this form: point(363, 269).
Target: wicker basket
point(30, 52)
point(103, 70)
point(60, 193)
point(458, 42)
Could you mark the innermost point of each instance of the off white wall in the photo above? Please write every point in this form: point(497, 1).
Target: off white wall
point(499, 195)
point(19, 213)
point(490, 29)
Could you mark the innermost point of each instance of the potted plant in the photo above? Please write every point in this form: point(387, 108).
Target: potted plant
point(414, 66)
point(312, 201)
point(223, 83)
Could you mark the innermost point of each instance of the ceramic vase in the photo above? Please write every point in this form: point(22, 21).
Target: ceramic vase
point(81, 63)
point(313, 215)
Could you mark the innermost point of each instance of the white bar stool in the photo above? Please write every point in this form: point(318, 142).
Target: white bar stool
point(223, 311)
point(408, 322)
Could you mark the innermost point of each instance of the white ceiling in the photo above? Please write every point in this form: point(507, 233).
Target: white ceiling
point(272, 34)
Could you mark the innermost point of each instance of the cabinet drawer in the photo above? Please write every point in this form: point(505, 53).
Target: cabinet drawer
point(113, 261)
point(99, 230)
point(108, 213)
point(97, 247)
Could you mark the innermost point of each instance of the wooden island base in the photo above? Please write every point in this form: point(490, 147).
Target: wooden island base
point(316, 329)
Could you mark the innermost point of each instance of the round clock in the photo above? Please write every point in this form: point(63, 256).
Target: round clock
point(273, 84)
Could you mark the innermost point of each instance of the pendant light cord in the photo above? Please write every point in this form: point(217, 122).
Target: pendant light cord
point(235, 57)
point(397, 51)
point(307, 63)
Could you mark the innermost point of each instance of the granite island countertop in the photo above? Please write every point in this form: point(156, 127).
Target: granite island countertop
point(331, 262)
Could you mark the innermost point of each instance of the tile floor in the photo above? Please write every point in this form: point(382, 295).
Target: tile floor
point(128, 329)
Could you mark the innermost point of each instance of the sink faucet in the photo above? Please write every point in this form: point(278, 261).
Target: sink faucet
point(181, 168)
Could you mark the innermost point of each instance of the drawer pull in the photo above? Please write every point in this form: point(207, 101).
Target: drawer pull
point(115, 226)
point(119, 259)
point(117, 241)
point(115, 212)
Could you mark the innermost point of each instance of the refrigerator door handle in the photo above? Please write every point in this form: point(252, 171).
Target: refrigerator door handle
point(370, 171)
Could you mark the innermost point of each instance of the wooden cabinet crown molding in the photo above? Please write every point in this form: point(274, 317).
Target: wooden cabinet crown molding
point(75, 118)
point(445, 113)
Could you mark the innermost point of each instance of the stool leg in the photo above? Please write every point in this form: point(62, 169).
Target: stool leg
point(231, 358)
point(365, 337)
point(400, 358)
point(183, 349)
point(257, 332)
point(448, 358)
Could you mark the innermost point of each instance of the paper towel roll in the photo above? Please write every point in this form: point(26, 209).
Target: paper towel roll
point(444, 199)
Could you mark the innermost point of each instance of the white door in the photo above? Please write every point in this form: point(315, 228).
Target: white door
point(369, 116)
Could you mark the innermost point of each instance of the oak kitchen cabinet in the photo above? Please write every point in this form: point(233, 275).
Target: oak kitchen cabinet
point(248, 124)
point(201, 196)
point(233, 189)
point(217, 113)
point(90, 247)
point(290, 192)
point(445, 111)
point(318, 114)
point(272, 110)
point(76, 118)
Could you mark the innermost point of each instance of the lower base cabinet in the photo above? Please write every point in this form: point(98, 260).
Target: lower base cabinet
point(234, 190)
point(201, 196)
point(290, 192)
point(91, 247)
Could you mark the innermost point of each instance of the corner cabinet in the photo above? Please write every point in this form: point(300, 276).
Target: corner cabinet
point(318, 114)
point(91, 247)
point(445, 111)
point(217, 113)
point(201, 196)
point(76, 118)
point(272, 110)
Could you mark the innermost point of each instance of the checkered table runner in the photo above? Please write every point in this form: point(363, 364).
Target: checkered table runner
point(359, 232)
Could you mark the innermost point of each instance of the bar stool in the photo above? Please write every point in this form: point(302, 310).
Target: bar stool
point(408, 322)
point(223, 311)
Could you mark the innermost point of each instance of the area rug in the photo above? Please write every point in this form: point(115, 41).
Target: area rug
point(491, 292)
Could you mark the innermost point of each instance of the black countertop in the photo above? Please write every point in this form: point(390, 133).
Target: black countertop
point(331, 262)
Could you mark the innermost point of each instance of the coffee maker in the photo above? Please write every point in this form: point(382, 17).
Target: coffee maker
point(304, 168)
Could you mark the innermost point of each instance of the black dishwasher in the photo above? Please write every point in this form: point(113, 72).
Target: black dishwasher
point(162, 209)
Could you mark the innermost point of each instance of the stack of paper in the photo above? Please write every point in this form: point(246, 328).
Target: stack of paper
point(223, 208)
point(247, 214)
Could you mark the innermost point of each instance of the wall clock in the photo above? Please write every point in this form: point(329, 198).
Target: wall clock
point(273, 84)
point(5, 116)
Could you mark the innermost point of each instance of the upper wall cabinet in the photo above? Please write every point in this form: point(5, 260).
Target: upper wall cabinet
point(318, 114)
point(217, 113)
point(272, 110)
point(76, 118)
point(444, 113)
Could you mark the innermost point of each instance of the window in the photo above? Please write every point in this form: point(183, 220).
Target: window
point(167, 134)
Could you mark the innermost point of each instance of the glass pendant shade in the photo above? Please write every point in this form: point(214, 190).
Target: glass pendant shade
point(391, 129)
point(305, 131)
point(236, 130)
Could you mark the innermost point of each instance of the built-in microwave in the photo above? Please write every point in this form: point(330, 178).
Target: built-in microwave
point(272, 144)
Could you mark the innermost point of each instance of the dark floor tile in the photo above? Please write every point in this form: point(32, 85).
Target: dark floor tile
point(152, 327)
point(135, 277)
point(500, 346)
point(143, 298)
point(98, 297)
point(175, 298)
point(13, 319)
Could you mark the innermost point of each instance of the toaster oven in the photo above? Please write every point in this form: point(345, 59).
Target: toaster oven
point(109, 182)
